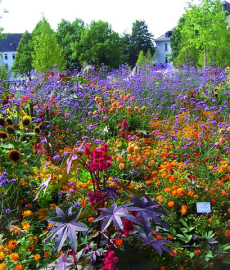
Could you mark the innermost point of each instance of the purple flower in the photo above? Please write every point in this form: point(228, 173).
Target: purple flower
point(57, 157)
point(7, 211)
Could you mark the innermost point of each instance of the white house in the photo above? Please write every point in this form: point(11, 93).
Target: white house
point(163, 48)
point(8, 47)
point(163, 44)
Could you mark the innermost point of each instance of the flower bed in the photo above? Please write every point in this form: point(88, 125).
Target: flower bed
point(102, 174)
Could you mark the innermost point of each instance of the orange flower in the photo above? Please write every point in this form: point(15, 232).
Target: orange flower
point(26, 226)
point(162, 268)
point(171, 203)
point(217, 232)
point(197, 252)
point(2, 266)
point(27, 213)
point(35, 239)
point(167, 190)
point(170, 237)
point(180, 267)
point(122, 166)
point(14, 257)
point(184, 209)
point(119, 159)
point(18, 267)
point(90, 219)
point(224, 193)
point(47, 254)
point(37, 257)
point(174, 252)
point(30, 248)
point(12, 244)
point(210, 219)
point(227, 233)
point(119, 242)
point(229, 210)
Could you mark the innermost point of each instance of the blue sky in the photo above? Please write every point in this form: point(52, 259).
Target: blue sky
point(159, 15)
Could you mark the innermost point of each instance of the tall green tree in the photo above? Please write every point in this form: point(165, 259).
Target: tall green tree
point(99, 44)
point(47, 52)
point(23, 58)
point(67, 34)
point(205, 30)
point(140, 40)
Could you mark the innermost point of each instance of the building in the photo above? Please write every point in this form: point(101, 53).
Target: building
point(163, 44)
point(8, 47)
point(163, 48)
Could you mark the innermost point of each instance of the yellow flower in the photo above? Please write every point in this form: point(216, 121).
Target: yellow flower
point(26, 120)
point(2, 256)
point(26, 226)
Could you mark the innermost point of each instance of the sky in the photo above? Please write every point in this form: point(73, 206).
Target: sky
point(159, 15)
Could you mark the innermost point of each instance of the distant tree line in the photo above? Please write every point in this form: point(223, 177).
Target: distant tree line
point(76, 43)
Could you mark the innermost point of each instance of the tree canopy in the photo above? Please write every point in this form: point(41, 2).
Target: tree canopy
point(205, 36)
point(23, 59)
point(47, 52)
point(98, 44)
point(67, 34)
point(140, 40)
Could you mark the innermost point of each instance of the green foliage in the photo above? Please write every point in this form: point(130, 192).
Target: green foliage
point(141, 58)
point(68, 33)
point(140, 39)
point(205, 33)
point(23, 58)
point(175, 39)
point(47, 53)
point(4, 75)
point(98, 44)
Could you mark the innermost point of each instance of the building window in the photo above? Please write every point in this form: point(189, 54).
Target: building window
point(6, 57)
point(13, 56)
point(166, 60)
point(166, 46)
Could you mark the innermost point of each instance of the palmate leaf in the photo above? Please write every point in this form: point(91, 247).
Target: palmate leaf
point(158, 245)
point(134, 259)
point(63, 263)
point(110, 193)
point(149, 210)
point(65, 228)
point(114, 214)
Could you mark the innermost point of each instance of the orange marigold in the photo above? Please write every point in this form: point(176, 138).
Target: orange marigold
point(18, 267)
point(14, 256)
point(183, 209)
point(119, 242)
point(171, 203)
point(37, 257)
point(90, 219)
point(227, 233)
point(12, 244)
point(2, 266)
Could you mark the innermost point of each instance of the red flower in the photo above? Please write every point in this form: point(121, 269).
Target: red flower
point(197, 252)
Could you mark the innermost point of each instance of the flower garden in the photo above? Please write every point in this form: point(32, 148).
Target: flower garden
point(104, 172)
